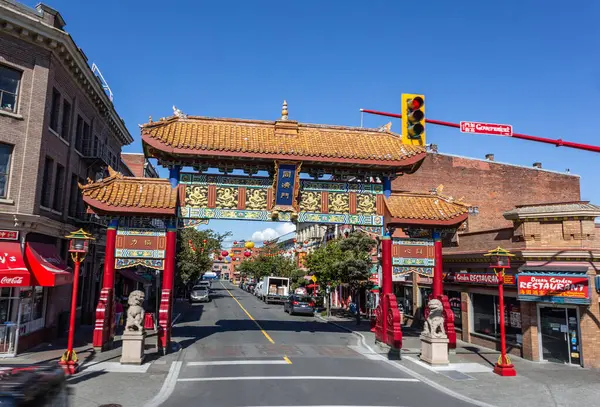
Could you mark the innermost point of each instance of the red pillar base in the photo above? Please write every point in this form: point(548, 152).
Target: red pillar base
point(388, 328)
point(164, 320)
point(505, 370)
point(448, 322)
point(70, 368)
point(104, 325)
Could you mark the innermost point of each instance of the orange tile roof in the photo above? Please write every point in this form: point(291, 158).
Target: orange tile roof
point(131, 195)
point(217, 137)
point(415, 208)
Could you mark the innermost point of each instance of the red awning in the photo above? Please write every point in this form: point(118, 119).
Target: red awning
point(133, 276)
point(47, 268)
point(13, 271)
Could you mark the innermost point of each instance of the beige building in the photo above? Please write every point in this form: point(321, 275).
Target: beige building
point(57, 128)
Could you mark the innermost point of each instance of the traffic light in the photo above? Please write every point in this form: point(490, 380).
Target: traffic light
point(413, 119)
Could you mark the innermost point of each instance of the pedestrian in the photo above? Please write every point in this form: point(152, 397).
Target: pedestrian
point(118, 313)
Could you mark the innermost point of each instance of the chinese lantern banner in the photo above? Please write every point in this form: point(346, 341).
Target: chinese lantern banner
point(557, 288)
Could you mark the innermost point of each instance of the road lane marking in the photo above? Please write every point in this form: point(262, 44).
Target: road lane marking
point(238, 362)
point(168, 386)
point(287, 360)
point(249, 316)
point(343, 378)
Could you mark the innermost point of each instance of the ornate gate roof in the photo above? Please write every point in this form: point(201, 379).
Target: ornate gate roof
point(196, 140)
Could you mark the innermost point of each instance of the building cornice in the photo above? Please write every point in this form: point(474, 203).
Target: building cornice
point(62, 45)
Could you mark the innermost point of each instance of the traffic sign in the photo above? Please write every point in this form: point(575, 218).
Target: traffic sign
point(314, 279)
point(486, 128)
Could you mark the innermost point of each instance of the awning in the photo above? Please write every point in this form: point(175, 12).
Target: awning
point(13, 271)
point(133, 276)
point(47, 268)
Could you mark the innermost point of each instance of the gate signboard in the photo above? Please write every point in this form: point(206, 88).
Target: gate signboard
point(412, 256)
point(140, 247)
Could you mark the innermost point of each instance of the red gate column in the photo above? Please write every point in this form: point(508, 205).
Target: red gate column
point(166, 298)
point(104, 327)
point(388, 327)
point(438, 290)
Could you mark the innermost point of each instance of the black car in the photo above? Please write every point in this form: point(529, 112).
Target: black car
point(299, 304)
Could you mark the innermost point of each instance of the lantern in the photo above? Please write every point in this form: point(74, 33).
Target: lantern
point(79, 241)
point(249, 245)
point(294, 240)
point(499, 259)
point(204, 241)
point(220, 258)
point(224, 253)
point(235, 242)
point(247, 254)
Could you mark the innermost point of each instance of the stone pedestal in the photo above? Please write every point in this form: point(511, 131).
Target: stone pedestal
point(133, 348)
point(434, 350)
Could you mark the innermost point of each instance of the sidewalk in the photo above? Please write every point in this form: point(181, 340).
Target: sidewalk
point(470, 373)
point(101, 379)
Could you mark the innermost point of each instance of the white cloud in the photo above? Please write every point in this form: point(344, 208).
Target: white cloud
point(269, 233)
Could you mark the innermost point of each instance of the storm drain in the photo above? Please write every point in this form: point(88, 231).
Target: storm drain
point(456, 375)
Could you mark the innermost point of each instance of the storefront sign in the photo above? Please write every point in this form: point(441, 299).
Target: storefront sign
point(478, 278)
point(413, 252)
point(9, 235)
point(554, 288)
point(10, 280)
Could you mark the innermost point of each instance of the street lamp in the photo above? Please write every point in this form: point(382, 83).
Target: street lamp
point(499, 262)
point(78, 247)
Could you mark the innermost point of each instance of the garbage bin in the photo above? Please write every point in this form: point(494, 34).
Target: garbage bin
point(40, 386)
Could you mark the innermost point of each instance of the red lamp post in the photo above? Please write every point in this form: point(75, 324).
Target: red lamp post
point(78, 247)
point(499, 262)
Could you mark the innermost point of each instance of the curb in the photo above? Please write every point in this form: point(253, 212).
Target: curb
point(437, 386)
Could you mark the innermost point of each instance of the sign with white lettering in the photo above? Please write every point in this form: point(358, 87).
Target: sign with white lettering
point(486, 128)
point(9, 235)
point(555, 288)
point(478, 278)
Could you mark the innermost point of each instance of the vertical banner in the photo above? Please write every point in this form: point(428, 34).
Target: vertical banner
point(286, 186)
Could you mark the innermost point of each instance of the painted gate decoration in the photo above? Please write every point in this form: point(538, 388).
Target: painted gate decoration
point(140, 247)
point(284, 198)
point(412, 256)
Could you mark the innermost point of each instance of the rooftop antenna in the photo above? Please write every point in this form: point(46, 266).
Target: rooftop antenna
point(103, 82)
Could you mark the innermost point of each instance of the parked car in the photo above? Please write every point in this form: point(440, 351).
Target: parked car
point(299, 304)
point(204, 283)
point(250, 287)
point(200, 293)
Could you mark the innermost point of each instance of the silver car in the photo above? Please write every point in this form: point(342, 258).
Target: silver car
point(200, 293)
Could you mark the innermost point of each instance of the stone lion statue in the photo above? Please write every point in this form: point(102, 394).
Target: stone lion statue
point(135, 312)
point(434, 325)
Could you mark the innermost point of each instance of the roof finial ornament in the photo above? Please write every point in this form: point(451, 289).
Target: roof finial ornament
point(149, 119)
point(179, 113)
point(386, 128)
point(284, 111)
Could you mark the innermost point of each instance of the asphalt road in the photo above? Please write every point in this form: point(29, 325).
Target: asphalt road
point(238, 351)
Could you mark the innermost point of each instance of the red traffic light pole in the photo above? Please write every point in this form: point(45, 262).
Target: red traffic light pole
point(556, 142)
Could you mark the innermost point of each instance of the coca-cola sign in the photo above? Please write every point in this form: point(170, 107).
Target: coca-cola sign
point(7, 280)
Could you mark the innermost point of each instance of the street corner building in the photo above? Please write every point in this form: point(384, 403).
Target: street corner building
point(58, 128)
point(551, 310)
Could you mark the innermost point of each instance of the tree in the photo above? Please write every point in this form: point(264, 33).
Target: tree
point(270, 262)
point(357, 263)
point(193, 253)
point(324, 262)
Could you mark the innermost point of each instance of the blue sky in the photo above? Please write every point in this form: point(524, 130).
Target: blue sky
point(532, 64)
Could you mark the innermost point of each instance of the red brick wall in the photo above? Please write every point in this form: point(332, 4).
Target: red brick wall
point(492, 187)
point(135, 162)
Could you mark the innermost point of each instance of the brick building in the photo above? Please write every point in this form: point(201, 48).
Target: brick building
point(537, 215)
point(138, 165)
point(57, 128)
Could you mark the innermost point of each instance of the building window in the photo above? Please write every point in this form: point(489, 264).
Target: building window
point(486, 316)
point(59, 185)
point(73, 196)
point(55, 110)
point(5, 160)
point(66, 121)
point(9, 88)
point(47, 181)
point(79, 134)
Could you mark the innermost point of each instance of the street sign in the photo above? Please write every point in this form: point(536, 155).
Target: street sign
point(314, 279)
point(486, 128)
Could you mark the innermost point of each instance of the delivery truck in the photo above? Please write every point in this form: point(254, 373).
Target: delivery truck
point(274, 289)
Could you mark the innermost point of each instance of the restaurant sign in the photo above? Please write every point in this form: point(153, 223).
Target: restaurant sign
point(554, 288)
point(478, 278)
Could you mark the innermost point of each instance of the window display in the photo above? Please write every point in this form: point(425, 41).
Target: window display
point(486, 316)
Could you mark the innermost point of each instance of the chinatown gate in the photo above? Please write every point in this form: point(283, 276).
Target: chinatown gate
point(359, 163)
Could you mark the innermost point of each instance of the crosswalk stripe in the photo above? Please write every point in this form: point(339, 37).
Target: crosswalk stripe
point(355, 378)
point(238, 362)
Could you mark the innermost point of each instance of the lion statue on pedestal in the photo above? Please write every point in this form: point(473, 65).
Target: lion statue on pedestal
point(135, 312)
point(434, 325)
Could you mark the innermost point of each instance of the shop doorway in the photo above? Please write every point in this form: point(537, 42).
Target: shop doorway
point(559, 334)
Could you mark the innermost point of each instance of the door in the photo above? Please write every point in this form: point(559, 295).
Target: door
point(554, 334)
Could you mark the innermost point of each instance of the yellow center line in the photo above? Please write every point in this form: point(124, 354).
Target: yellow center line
point(251, 318)
point(287, 360)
